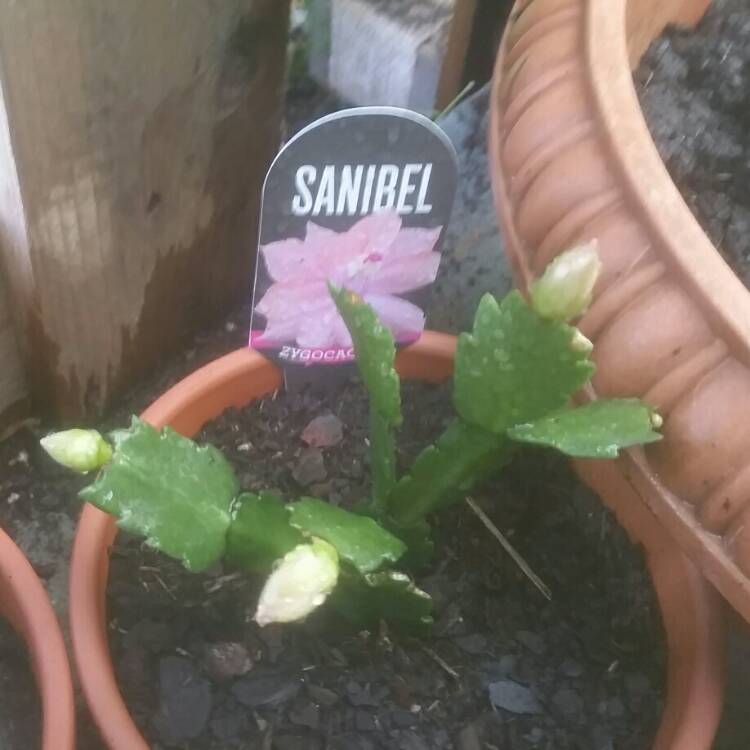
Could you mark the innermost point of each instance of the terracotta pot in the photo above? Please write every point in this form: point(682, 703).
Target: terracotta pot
point(572, 159)
point(693, 631)
point(24, 603)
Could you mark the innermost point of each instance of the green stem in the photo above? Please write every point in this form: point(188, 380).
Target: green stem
point(382, 459)
point(445, 473)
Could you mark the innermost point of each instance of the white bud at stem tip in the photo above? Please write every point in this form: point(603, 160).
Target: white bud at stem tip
point(300, 583)
point(564, 290)
point(80, 450)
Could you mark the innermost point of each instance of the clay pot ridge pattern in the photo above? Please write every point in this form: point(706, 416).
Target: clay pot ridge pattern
point(557, 184)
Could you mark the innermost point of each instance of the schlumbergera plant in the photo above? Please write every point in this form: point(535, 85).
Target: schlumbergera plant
point(515, 375)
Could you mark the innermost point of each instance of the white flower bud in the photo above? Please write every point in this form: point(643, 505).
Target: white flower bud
point(564, 290)
point(80, 450)
point(579, 343)
point(657, 421)
point(299, 584)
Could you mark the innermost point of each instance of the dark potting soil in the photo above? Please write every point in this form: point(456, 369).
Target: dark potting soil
point(694, 88)
point(20, 716)
point(502, 668)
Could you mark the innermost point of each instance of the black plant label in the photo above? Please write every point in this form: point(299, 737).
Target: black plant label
point(359, 199)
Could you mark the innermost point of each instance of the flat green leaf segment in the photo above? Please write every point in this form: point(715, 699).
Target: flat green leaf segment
point(260, 532)
point(598, 430)
point(444, 472)
point(170, 490)
point(375, 352)
point(516, 366)
point(359, 540)
point(390, 596)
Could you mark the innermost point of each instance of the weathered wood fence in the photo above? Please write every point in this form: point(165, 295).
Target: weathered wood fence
point(134, 137)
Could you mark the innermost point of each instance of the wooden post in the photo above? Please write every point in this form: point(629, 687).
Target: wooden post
point(13, 392)
point(134, 138)
point(457, 46)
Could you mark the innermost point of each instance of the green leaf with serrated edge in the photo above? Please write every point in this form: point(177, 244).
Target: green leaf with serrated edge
point(516, 366)
point(358, 539)
point(260, 533)
point(597, 430)
point(170, 490)
point(390, 596)
point(420, 546)
point(445, 472)
point(375, 352)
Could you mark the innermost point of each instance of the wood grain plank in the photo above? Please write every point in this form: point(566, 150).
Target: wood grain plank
point(136, 138)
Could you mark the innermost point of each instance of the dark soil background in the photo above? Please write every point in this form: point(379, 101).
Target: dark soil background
point(504, 668)
point(694, 87)
point(19, 708)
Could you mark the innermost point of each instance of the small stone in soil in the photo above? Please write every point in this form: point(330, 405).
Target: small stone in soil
point(404, 719)
point(231, 726)
point(324, 431)
point(468, 738)
point(615, 708)
point(499, 670)
point(265, 690)
point(226, 660)
point(273, 639)
point(531, 640)
point(352, 741)
point(567, 701)
point(185, 701)
point(513, 697)
point(571, 668)
point(359, 696)
point(310, 467)
point(412, 741)
point(322, 696)
point(150, 635)
point(293, 742)
point(602, 738)
point(637, 684)
point(305, 715)
point(364, 721)
point(472, 644)
point(535, 736)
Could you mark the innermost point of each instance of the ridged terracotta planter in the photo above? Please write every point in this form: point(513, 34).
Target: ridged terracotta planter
point(24, 603)
point(572, 160)
point(694, 635)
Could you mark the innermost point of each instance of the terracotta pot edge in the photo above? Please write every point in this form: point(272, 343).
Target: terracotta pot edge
point(651, 193)
point(30, 612)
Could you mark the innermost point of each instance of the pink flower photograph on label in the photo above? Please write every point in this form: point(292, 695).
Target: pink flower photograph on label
point(378, 258)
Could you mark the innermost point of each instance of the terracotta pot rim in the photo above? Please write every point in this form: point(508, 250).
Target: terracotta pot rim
point(24, 602)
point(251, 376)
point(633, 158)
